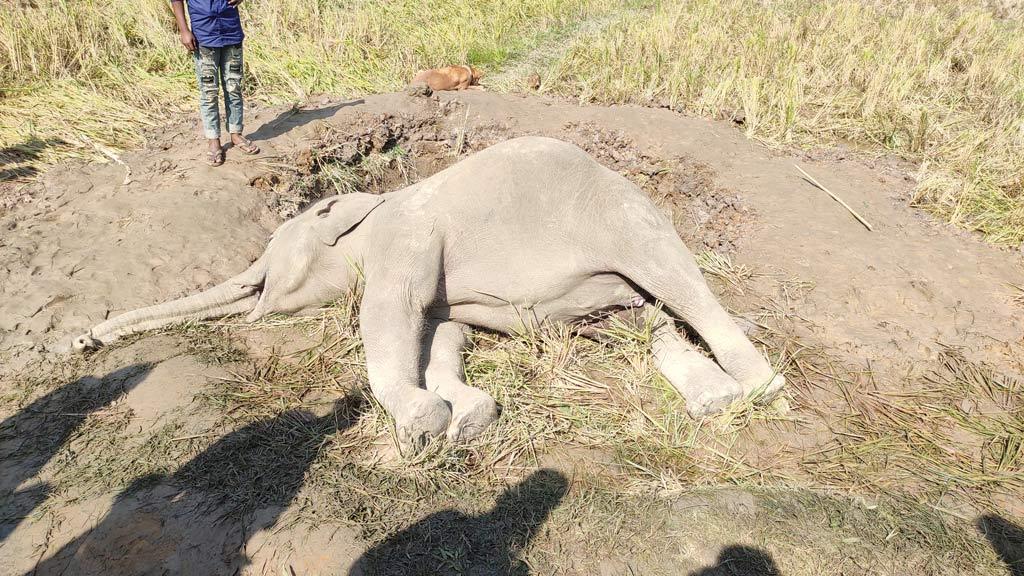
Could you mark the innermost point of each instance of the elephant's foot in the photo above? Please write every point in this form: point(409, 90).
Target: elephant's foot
point(473, 411)
point(422, 417)
point(712, 400)
point(708, 390)
point(766, 389)
point(702, 383)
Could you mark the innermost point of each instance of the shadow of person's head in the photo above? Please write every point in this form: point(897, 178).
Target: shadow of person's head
point(741, 561)
point(450, 542)
point(522, 509)
point(1007, 539)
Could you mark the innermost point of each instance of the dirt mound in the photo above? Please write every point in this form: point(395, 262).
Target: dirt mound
point(706, 215)
point(375, 153)
point(378, 153)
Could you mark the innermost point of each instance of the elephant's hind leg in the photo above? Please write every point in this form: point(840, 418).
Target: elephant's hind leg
point(664, 268)
point(702, 383)
point(473, 410)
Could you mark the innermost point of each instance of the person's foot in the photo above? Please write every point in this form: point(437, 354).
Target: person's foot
point(215, 154)
point(243, 144)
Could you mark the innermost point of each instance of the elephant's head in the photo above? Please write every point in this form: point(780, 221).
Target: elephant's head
point(311, 259)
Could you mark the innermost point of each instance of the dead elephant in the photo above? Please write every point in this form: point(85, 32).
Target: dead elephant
point(530, 230)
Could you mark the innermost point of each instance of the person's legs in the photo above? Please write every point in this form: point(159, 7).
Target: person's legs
point(231, 77)
point(208, 76)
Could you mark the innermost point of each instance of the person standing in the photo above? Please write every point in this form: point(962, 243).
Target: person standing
point(215, 40)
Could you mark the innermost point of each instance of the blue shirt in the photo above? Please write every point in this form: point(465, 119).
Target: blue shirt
point(215, 23)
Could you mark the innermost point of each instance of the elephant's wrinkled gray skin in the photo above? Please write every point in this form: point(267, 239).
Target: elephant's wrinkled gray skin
point(527, 231)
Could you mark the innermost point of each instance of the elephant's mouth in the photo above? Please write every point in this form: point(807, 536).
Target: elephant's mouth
point(260, 307)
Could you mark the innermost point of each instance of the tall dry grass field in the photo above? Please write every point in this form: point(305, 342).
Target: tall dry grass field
point(939, 82)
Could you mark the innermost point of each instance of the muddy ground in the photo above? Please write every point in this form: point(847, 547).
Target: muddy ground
point(150, 457)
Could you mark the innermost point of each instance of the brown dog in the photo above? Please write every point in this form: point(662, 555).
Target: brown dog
point(449, 78)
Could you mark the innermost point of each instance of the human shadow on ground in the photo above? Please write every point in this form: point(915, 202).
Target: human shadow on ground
point(1007, 539)
point(35, 434)
point(451, 543)
point(294, 117)
point(17, 161)
point(741, 561)
point(198, 520)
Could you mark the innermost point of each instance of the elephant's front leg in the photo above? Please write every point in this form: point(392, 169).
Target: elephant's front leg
point(392, 330)
point(473, 410)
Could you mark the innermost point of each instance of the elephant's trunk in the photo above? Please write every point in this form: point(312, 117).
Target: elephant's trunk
point(237, 295)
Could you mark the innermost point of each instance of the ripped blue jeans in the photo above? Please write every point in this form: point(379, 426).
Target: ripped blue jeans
point(218, 68)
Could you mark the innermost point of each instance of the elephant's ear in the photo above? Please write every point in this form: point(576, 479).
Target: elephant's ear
point(338, 216)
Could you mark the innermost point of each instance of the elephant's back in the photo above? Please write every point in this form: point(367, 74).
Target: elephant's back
point(526, 221)
point(529, 195)
point(523, 176)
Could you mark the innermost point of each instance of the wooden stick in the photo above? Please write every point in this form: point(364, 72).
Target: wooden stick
point(834, 197)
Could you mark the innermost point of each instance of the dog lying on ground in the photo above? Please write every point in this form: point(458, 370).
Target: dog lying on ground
point(448, 78)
